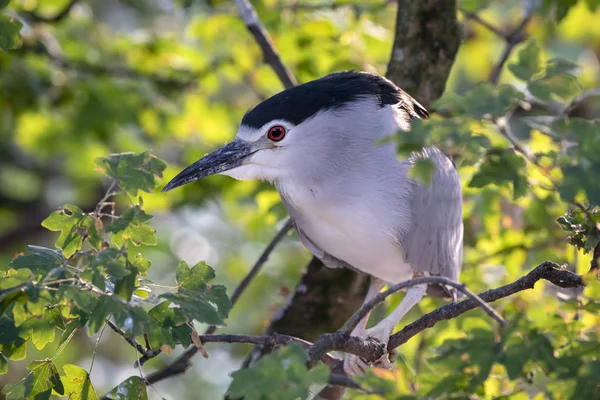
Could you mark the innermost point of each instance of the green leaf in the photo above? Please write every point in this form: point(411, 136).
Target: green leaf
point(43, 332)
point(486, 100)
point(560, 66)
point(45, 377)
point(133, 171)
point(9, 32)
point(280, 375)
point(4, 3)
point(77, 384)
point(529, 63)
point(197, 299)
point(168, 326)
point(41, 260)
point(132, 319)
point(194, 278)
point(113, 262)
point(501, 165)
point(422, 171)
point(131, 225)
point(3, 364)
point(74, 226)
point(563, 86)
point(132, 388)
point(19, 390)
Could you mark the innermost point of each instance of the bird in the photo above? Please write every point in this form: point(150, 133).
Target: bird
point(353, 201)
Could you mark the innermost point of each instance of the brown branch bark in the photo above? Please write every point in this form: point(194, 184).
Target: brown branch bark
point(370, 349)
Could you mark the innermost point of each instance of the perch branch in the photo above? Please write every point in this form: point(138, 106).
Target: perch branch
point(370, 349)
point(380, 297)
point(547, 270)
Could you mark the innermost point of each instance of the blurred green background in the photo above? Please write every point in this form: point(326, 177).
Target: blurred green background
point(176, 76)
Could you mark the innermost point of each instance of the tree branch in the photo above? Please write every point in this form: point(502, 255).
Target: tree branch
point(56, 18)
point(512, 39)
point(476, 18)
point(371, 349)
point(548, 271)
point(425, 45)
point(380, 297)
point(182, 363)
point(271, 57)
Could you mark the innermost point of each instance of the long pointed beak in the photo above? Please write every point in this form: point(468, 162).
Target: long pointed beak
point(230, 156)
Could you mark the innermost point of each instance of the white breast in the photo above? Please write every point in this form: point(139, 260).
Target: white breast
point(351, 229)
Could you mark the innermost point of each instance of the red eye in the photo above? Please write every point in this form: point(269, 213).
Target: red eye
point(276, 133)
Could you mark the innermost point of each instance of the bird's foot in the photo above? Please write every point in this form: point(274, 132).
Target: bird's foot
point(355, 365)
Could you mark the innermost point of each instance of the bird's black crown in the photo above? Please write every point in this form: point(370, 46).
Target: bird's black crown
point(330, 92)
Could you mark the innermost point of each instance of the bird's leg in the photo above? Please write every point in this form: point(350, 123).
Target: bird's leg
point(374, 289)
point(353, 365)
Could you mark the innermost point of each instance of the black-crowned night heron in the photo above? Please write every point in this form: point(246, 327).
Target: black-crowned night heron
point(352, 201)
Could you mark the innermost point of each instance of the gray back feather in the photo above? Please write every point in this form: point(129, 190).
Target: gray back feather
point(434, 243)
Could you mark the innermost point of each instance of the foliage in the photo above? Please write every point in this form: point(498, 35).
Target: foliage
point(85, 95)
point(91, 278)
point(279, 375)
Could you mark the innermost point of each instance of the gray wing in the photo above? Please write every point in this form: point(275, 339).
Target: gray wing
point(434, 244)
point(327, 259)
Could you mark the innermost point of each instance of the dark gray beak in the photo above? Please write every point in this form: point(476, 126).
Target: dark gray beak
point(227, 157)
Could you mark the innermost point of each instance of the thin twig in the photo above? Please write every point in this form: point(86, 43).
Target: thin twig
point(96, 349)
point(56, 18)
point(271, 57)
point(370, 349)
point(264, 257)
point(547, 270)
point(476, 18)
point(514, 38)
point(380, 297)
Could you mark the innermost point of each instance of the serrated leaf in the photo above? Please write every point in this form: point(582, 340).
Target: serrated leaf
point(19, 390)
point(168, 326)
point(194, 278)
point(45, 377)
point(142, 264)
point(9, 32)
point(132, 388)
point(131, 225)
point(561, 66)
point(132, 319)
point(486, 100)
point(422, 171)
point(196, 298)
point(77, 384)
point(74, 225)
point(280, 375)
point(501, 165)
point(562, 86)
point(133, 171)
point(529, 63)
point(113, 262)
point(42, 334)
point(40, 261)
